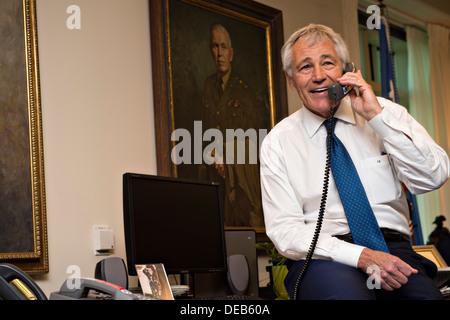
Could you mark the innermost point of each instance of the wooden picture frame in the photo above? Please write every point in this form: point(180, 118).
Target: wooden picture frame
point(23, 235)
point(181, 61)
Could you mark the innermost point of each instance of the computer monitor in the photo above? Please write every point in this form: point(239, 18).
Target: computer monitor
point(177, 222)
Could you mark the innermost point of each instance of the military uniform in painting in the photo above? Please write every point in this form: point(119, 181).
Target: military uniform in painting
point(234, 107)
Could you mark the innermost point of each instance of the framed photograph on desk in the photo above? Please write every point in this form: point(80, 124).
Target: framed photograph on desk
point(154, 282)
point(431, 253)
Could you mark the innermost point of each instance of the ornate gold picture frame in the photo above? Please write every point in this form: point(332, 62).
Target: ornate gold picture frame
point(23, 230)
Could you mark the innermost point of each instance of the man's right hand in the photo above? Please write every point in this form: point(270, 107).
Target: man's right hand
point(393, 271)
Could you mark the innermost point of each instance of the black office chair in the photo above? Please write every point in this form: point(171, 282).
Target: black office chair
point(17, 285)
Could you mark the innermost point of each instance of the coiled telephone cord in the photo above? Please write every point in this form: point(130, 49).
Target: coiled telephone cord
point(323, 202)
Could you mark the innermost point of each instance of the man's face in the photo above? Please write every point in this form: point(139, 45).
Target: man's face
point(221, 51)
point(314, 67)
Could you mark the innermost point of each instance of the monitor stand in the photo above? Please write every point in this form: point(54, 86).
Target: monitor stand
point(213, 284)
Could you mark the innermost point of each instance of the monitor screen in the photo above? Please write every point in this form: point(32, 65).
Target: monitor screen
point(177, 222)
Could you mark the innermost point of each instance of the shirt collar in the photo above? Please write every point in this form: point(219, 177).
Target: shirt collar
point(312, 122)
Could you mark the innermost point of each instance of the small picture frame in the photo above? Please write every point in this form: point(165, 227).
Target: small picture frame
point(430, 252)
point(153, 281)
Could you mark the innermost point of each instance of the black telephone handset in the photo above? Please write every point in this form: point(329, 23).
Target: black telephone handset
point(94, 289)
point(336, 92)
point(17, 285)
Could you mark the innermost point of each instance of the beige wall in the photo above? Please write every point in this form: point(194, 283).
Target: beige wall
point(98, 121)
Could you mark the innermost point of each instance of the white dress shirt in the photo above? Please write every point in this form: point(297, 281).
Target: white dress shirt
point(387, 151)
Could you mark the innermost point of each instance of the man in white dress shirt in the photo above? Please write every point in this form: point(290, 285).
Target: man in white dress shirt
point(389, 149)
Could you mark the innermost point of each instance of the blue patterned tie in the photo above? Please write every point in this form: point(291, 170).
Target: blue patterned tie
point(361, 219)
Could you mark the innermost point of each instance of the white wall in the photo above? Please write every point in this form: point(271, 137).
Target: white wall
point(98, 121)
point(97, 109)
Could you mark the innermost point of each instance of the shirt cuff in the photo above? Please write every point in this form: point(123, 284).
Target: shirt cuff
point(347, 253)
point(385, 124)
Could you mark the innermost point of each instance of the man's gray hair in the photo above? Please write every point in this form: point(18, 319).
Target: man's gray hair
point(219, 27)
point(312, 34)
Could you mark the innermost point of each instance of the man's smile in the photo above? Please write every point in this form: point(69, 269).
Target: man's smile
point(319, 92)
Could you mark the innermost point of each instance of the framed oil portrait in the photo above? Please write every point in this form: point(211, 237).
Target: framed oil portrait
point(218, 89)
point(23, 227)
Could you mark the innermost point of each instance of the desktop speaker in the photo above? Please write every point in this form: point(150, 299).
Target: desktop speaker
point(112, 270)
point(238, 274)
point(242, 242)
point(238, 242)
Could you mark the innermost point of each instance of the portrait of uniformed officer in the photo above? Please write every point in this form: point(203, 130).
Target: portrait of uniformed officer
point(228, 102)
